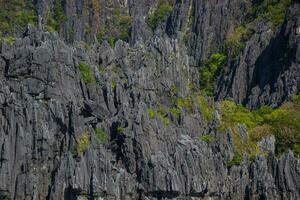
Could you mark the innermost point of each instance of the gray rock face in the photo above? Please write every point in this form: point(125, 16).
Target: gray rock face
point(267, 72)
point(47, 109)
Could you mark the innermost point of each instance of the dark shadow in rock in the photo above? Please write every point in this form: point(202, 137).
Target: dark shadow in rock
point(117, 140)
point(164, 194)
point(71, 194)
point(5, 195)
point(273, 61)
point(194, 193)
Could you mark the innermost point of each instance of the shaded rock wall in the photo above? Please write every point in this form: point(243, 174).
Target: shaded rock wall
point(267, 71)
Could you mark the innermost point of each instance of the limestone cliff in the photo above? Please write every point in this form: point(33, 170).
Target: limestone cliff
point(99, 102)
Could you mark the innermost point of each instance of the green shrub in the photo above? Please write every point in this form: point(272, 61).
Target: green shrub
point(112, 41)
point(232, 114)
point(58, 16)
point(163, 116)
point(86, 73)
point(207, 138)
point(174, 90)
point(101, 135)
point(206, 109)
point(9, 40)
point(124, 24)
point(117, 27)
point(175, 111)
point(260, 131)
point(83, 143)
point(235, 42)
point(208, 72)
point(120, 129)
point(271, 10)
point(101, 33)
point(16, 13)
point(113, 84)
point(185, 102)
point(151, 113)
point(162, 11)
point(283, 122)
point(236, 160)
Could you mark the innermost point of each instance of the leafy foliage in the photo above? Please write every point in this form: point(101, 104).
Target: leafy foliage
point(120, 129)
point(207, 110)
point(58, 16)
point(175, 111)
point(162, 115)
point(233, 114)
point(15, 14)
point(8, 40)
point(235, 42)
point(83, 143)
point(283, 122)
point(162, 11)
point(271, 10)
point(190, 103)
point(236, 160)
point(117, 27)
point(184, 102)
point(113, 84)
point(207, 138)
point(151, 113)
point(101, 135)
point(86, 73)
point(208, 72)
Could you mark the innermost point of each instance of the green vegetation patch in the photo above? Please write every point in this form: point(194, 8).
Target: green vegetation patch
point(16, 14)
point(271, 10)
point(285, 124)
point(233, 114)
point(161, 12)
point(120, 129)
point(9, 40)
point(162, 115)
point(86, 73)
point(184, 102)
point(235, 42)
point(57, 16)
point(190, 103)
point(236, 160)
point(207, 138)
point(282, 122)
point(151, 113)
point(113, 84)
point(83, 143)
point(117, 27)
point(175, 111)
point(207, 110)
point(102, 136)
point(208, 72)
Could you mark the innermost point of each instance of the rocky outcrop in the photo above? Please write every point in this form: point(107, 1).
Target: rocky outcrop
point(50, 147)
point(267, 71)
point(85, 19)
point(46, 108)
point(205, 25)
